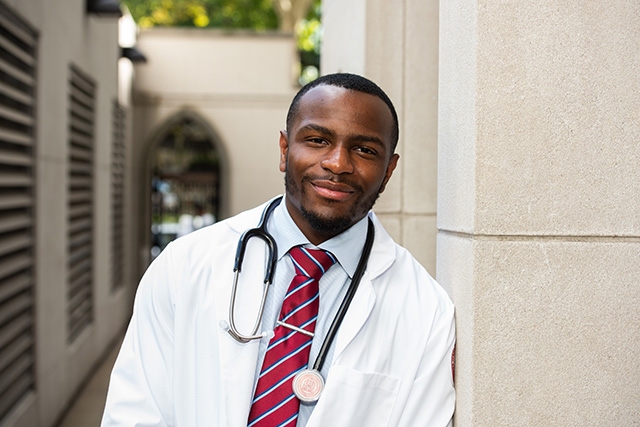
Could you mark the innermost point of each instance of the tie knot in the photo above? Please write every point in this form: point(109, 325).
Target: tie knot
point(311, 262)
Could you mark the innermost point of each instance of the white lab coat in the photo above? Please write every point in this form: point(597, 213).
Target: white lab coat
point(178, 367)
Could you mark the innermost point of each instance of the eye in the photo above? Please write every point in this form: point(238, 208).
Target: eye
point(316, 140)
point(366, 150)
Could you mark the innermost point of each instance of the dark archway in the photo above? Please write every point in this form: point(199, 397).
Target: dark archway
point(185, 185)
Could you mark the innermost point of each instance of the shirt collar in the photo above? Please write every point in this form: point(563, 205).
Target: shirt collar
point(346, 246)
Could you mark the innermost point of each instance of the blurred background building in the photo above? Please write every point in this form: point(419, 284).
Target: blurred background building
point(520, 170)
point(65, 269)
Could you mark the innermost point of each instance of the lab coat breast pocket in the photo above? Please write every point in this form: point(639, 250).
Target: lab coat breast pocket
point(354, 398)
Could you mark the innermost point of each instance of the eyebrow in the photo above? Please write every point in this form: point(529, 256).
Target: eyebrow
point(357, 137)
point(317, 128)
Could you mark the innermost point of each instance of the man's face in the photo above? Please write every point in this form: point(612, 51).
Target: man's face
point(336, 158)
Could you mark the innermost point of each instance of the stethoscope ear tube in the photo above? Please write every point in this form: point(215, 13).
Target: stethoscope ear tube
point(272, 247)
point(260, 232)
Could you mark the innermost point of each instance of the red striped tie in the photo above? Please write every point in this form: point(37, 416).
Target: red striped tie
point(274, 403)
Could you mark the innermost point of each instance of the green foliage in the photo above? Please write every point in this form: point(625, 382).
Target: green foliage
point(309, 35)
point(233, 14)
point(254, 14)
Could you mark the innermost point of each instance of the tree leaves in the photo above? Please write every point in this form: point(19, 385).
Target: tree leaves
point(247, 14)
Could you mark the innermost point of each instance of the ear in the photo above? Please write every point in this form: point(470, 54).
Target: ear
point(284, 146)
point(391, 166)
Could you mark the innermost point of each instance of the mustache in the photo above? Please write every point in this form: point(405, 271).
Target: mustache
point(333, 178)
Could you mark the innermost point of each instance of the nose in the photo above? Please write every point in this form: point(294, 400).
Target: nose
point(338, 160)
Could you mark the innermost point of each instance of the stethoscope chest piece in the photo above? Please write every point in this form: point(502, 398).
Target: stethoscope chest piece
point(308, 385)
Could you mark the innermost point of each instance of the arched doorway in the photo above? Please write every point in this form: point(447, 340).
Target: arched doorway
point(185, 168)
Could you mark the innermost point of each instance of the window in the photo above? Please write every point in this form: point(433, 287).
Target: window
point(80, 221)
point(117, 195)
point(17, 163)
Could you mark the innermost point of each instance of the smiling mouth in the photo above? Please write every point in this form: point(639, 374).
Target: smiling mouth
point(332, 190)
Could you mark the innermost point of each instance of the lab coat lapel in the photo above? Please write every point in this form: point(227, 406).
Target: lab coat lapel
point(382, 256)
point(238, 360)
point(359, 310)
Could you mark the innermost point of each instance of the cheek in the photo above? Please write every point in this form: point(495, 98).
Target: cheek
point(374, 178)
point(298, 163)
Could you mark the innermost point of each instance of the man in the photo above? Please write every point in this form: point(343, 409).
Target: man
point(390, 361)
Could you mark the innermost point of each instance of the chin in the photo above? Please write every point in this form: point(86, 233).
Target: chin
point(326, 224)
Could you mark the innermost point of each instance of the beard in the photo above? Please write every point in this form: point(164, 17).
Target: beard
point(330, 225)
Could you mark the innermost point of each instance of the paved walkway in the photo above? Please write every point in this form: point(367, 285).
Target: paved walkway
point(86, 411)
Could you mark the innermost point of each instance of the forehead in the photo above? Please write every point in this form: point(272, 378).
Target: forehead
point(342, 107)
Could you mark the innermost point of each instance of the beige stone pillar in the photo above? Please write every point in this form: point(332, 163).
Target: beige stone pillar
point(539, 209)
point(375, 38)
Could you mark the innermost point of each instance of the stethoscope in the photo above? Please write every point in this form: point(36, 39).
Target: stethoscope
point(307, 384)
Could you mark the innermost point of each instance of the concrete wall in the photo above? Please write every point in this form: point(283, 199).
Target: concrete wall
point(68, 36)
point(239, 84)
point(539, 211)
point(538, 190)
point(375, 39)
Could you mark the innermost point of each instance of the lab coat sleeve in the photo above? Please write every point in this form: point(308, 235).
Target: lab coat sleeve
point(141, 384)
point(431, 401)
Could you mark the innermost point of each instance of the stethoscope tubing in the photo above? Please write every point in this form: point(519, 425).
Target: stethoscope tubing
point(262, 233)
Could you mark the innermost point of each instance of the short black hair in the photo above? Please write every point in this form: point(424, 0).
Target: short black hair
point(351, 82)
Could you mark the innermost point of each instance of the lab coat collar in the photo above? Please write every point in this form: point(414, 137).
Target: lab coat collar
point(383, 252)
point(381, 257)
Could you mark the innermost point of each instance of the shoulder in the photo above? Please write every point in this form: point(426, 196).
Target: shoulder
point(397, 270)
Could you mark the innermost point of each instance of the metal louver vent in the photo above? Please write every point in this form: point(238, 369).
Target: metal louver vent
point(80, 217)
point(117, 194)
point(17, 192)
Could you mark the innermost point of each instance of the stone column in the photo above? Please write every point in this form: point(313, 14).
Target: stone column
point(395, 43)
point(539, 209)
